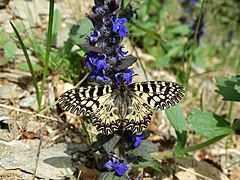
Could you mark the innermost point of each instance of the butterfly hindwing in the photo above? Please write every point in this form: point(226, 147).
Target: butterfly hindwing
point(105, 118)
point(140, 116)
point(159, 95)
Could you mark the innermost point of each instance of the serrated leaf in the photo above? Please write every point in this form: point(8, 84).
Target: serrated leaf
point(24, 66)
point(208, 124)
point(149, 163)
point(175, 116)
point(229, 88)
point(108, 146)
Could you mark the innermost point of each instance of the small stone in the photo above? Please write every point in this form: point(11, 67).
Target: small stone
point(10, 91)
point(16, 76)
point(25, 10)
point(28, 101)
point(33, 127)
point(53, 163)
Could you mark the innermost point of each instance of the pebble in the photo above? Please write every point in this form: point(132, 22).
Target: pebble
point(10, 91)
point(28, 102)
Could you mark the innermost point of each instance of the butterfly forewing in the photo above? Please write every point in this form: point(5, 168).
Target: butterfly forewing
point(159, 95)
point(84, 100)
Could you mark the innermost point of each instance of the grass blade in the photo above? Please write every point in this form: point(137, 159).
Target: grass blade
point(29, 64)
point(49, 42)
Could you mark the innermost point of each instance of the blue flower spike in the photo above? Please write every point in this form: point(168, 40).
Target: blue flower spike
point(105, 44)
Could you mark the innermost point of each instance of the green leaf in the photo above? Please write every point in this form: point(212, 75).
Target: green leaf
point(229, 88)
point(2, 37)
point(144, 149)
point(208, 124)
point(149, 163)
point(175, 116)
point(78, 33)
point(108, 146)
point(175, 51)
point(164, 62)
point(180, 29)
point(9, 49)
point(57, 19)
point(25, 67)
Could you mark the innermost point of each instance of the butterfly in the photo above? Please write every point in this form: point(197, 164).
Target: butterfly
point(129, 106)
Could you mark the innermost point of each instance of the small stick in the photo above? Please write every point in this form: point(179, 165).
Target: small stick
point(38, 151)
point(28, 112)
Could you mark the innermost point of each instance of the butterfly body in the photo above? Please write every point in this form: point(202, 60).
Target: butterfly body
point(130, 106)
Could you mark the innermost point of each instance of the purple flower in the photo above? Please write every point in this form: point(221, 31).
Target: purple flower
point(118, 165)
point(106, 55)
point(189, 5)
point(121, 167)
point(120, 54)
point(137, 139)
point(96, 61)
point(201, 30)
point(129, 12)
point(118, 25)
point(125, 75)
point(112, 163)
point(99, 76)
point(100, 10)
point(94, 36)
point(191, 2)
point(101, 62)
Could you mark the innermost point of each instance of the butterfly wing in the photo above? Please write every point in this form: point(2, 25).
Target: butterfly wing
point(96, 101)
point(159, 95)
point(84, 100)
point(106, 120)
point(150, 96)
point(140, 114)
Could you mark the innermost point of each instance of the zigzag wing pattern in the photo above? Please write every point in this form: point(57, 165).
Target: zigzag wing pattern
point(159, 95)
point(85, 100)
point(140, 116)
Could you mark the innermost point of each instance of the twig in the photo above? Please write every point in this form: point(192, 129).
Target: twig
point(28, 112)
point(200, 175)
point(38, 151)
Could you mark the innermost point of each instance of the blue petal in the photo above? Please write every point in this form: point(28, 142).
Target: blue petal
point(137, 138)
point(122, 168)
point(118, 25)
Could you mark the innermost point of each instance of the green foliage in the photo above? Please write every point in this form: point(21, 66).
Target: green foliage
point(25, 67)
point(29, 64)
point(9, 48)
point(57, 19)
point(208, 124)
point(111, 176)
point(148, 163)
point(110, 145)
point(229, 88)
point(176, 117)
point(144, 149)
